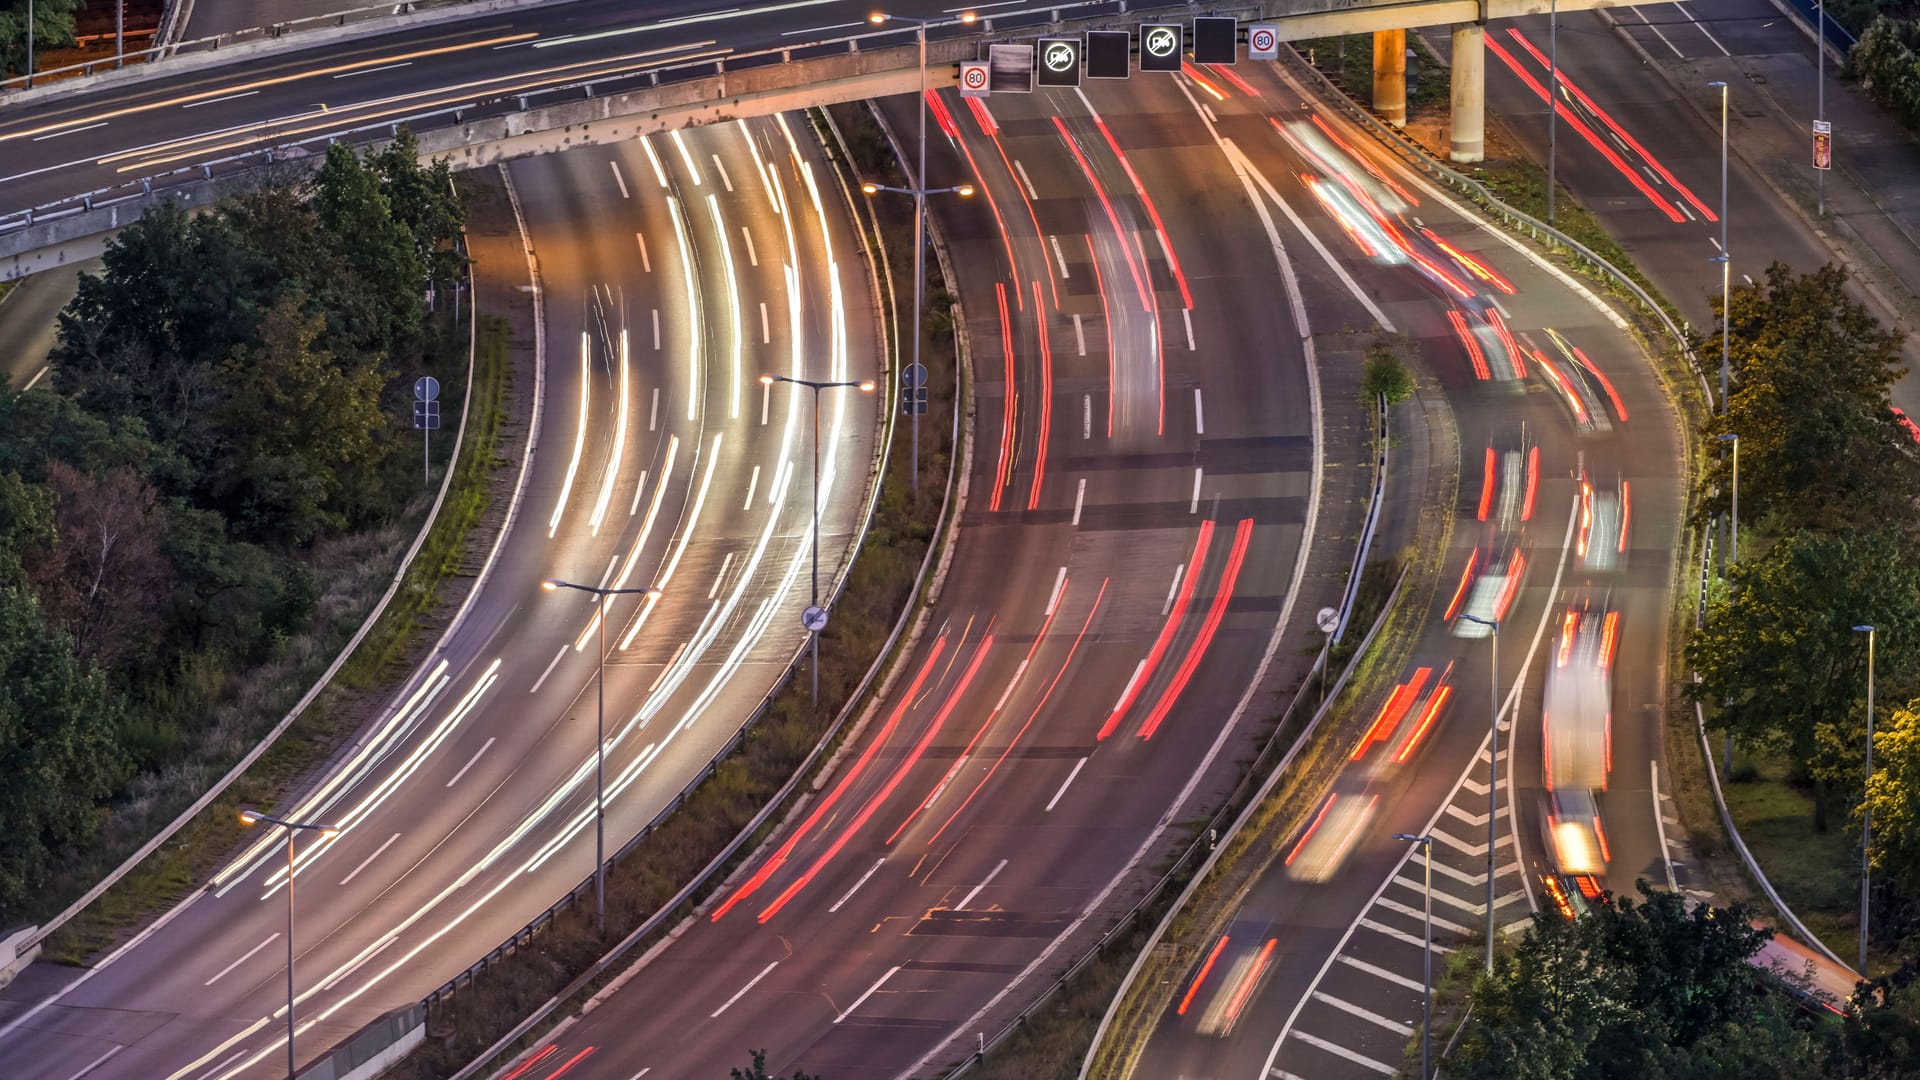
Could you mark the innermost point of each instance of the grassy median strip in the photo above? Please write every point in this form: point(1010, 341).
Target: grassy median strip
point(880, 584)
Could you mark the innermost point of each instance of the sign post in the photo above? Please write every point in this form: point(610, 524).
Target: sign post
point(1822, 144)
point(426, 417)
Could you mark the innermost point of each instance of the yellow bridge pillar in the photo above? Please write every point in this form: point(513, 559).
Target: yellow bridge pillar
point(1390, 75)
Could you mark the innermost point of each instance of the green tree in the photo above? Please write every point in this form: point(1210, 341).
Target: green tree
point(424, 200)
point(52, 26)
point(758, 1070)
point(1811, 370)
point(1385, 375)
point(1893, 794)
point(1543, 1006)
point(379, 250)
point(56, 748)
point(1779, 657)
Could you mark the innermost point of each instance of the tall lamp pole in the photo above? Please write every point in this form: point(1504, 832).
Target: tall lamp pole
point(1493, 767)
point(1820, 108)
point(29, 44)
point(1553, 101)
point(919, 192)
point(255, 817)
point(600, 738)
point(815, 617)
point(1866, 807)
point(1426, 956)
point(1732, 557)
point(1725, 258)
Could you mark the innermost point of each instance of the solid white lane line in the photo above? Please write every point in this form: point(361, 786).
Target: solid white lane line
point(537, 683)
point(1051, 803)
point(766, 336)
point(1024, 180)
point(1059, 581)
point(1186, 316)
point(1390, 976)
point(231, 1058)
point(97, 1062)
point(376, 854)
point(752, 482)
point(1364, 1014)
point(1658, 34)
point(1079, 336)
point(968, 899)
point(1193, 507)
point(617, 178)
point(819, 30)
point(848, 895)
point(724, 178)
point(1199, 414)
point(470, 761)
point(218, 100)
point(69, 131)
point(244, 957)
point(742, 992)
point(1361, 1060)
point(1173, 588)
point(1058, 257)
point(752, 255)
point(871, 990)
point(646, 262)
point(1078, 498)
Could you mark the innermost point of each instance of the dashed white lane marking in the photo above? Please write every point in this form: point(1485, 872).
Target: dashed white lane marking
point(752, 482)
point(1186, 316)
point(1079, 335)
point(766, 334)
point(1390, 976)
point(1400, 935)
point(1079, 497)
point(1359, 1059)
point(724, 178)
point(656, 340)
point(1199, 414)
point(376, 854)
point(1408, 909)
point(1193, 507)
point(1024, 180)
point(1059, 582)
point(752, 255)
point(1364, 1014)
point(1172, 589)
point(848, 895)
point(1059, 257)
point(1077, 766)
point(248, 955)
point(463, 769)
point(646, 263)
point(871, 990)
point(984, 882)
point(537, 683)
point(751, 983)
point(621, 180)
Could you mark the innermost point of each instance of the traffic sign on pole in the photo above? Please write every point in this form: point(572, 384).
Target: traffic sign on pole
point(973, 78)
point(1010, 69)
point(1059, 61)
point(1161, 46)
point(1263, 42)
point(913, 401)
point(1822, 144)
point(1215, 39)
point(426, 416)
point(1107, 54)
point(426, 388)
point(914, 376)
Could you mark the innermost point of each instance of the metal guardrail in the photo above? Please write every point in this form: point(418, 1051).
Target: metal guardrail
point(368, 1044)
point(1373, 520)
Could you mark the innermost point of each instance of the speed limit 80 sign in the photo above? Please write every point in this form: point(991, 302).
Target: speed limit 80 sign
point(973, 78)
point(1263, 42)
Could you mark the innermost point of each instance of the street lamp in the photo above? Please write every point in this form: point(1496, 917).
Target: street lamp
point(600, 738)
point(1733, 554)
point(1820, 108)
point(1493, 767)
point(1866, 806)
point(1725, 258)
point(815, 617)
point(1553, 110)
point(919, 192)
point(255, 817)
point(965, 191)
point(1426, 956)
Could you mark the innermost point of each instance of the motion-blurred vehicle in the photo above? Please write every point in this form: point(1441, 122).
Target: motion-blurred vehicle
point(1576, 718)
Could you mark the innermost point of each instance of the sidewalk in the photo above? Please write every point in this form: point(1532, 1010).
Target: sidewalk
point(1873, 191)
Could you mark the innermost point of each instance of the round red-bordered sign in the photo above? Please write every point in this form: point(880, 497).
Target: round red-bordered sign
point(975, 78)
point(1262, 40)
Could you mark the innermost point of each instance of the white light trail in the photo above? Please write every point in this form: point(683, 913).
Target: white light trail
point(612, 473)
point(580, 436)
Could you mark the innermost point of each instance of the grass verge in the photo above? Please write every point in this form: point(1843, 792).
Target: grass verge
point(880, 584)
point(363, 566)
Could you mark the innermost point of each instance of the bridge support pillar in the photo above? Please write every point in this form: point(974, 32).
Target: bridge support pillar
point(1390, 75)
point(1469, 126)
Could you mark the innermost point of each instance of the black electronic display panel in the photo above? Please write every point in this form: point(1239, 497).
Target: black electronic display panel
point(1215, 39)
point(1107, 54)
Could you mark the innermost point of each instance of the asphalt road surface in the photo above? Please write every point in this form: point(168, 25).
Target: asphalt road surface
point(1318, 971)
point(660, 459)
point(28, 327)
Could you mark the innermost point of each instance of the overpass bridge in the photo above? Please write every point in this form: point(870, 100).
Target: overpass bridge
point(89, 155)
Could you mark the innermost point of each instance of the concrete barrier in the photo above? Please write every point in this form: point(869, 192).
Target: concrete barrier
point(16, 953)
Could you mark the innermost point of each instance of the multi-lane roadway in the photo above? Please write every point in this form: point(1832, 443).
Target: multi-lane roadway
point(672, 273)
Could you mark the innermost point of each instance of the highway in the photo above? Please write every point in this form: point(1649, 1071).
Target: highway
point(27, 321)
point(204, 111)
point(672, 274)
point(1317, 972)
